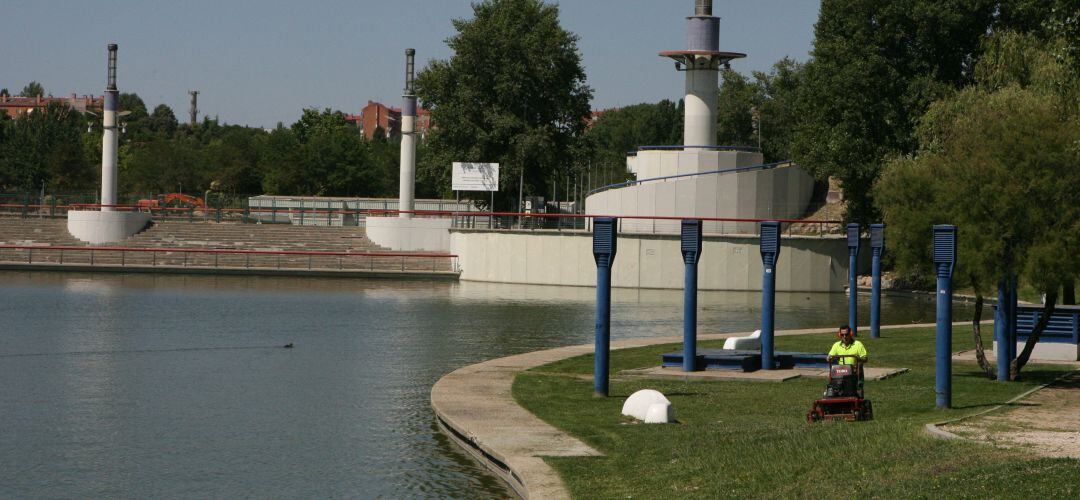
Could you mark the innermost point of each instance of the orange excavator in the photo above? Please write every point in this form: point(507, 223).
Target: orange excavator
point(171, 200)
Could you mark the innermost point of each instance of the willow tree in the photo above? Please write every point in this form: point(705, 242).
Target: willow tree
point(1001, 161)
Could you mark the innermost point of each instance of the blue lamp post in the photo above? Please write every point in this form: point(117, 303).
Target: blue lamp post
point(605, 238)
point(770, 253)
point(1001, 332)
point(691, 251)
point(944, 261)
point(853, 258)
point(877, 245)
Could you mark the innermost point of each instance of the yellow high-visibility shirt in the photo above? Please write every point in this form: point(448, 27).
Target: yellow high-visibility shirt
point(855, 349)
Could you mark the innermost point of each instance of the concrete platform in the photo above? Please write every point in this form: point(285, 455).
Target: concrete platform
point(661, 372)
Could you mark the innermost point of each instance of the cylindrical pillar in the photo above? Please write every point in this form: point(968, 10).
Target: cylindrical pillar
point(1001, 332)
point(605, 239)
point(699, 105)
point(769, 247)
point(407, 178)
point(877, 244)
point(944, 260)
point(110, 140)
point(853, 288)
point(691, 251)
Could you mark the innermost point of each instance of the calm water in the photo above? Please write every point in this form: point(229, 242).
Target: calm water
point(176, 386)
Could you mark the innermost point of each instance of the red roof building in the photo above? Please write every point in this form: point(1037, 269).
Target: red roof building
point(17, 106)
point(378, 115)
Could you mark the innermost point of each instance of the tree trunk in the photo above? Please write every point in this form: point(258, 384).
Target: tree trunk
point(1068, 293)
point(976, 330)
point(1022, 359)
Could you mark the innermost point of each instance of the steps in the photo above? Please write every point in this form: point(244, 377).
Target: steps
point(215, 236)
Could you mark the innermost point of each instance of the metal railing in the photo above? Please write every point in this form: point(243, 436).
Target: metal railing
point(228, 258)
point(748, 168)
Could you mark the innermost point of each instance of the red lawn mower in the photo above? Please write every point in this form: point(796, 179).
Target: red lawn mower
point(843, 399)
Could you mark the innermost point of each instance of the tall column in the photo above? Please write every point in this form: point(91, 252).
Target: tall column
point(877, 245)
point(1001, 332)
point(853, 275)
point(944, 261)
point(605, 240)
point(407, 179)
point(699, 106)
point(110, 136)
point(691, 251)
point(701, 61)
point(770, 253)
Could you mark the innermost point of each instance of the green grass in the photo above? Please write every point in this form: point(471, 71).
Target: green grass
point(751, 439)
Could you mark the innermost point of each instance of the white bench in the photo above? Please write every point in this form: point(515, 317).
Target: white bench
point(750, 342)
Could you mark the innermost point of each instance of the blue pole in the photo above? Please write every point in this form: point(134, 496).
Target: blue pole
point(770, 253)
point(1013, 298)
point(768, 313)
point(690, 244)
point(603, 330)
point(605, 239)
point(853, 295)
point(1001, 334)
point(875, 296)
point(877, 243)
point(689, 360)
point(944, 260)
point(943, 384)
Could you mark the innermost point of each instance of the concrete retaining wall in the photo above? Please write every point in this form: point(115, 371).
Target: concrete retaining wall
point(807, 264)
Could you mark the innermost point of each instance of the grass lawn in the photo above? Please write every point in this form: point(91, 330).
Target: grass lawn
point(751, 439)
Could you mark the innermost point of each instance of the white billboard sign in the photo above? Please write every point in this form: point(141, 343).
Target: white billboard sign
point(468, 176)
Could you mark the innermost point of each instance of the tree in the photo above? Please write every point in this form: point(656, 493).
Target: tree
point(32, 89)
point(4, 93)
point(618, 131)
point(162, 121)
point(1000, 161)
point(44, 146)
point(876, 67)
point(524, 112)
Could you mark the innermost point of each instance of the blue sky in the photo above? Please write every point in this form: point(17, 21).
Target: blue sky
point(261, 62)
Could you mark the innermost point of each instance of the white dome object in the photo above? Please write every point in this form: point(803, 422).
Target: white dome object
point(749, 342)
point(637, 405)
point(659, 413)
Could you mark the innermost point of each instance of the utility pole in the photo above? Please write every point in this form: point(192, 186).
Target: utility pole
point(193, 110)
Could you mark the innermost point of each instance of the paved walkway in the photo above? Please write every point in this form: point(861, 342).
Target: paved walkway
point(475, 407)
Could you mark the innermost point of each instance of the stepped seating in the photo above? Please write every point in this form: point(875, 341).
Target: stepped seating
point(215, 236)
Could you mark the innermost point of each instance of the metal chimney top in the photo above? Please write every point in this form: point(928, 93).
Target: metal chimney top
point(703, 8)
point(410, 87)
point(111, 85)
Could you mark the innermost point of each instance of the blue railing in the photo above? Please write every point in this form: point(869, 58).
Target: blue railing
point(748, 168)
point(744, 149)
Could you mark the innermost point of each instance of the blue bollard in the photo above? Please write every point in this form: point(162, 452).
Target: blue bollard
point(605, 238)
point(853, 289)
point(1001, 332)
point(877, 244)
point(691, 251)
point(944, 261)
point(770, 253)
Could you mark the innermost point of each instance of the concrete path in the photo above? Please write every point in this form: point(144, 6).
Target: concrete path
point(473, 405)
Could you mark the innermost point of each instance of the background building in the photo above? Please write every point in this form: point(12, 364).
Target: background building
point(15, 106)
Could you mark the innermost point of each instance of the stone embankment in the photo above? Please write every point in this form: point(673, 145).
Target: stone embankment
point(265, 239)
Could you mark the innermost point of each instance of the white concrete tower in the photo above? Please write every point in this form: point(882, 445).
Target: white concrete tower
point(111, 138)
point(701, 61)
point(407, 181)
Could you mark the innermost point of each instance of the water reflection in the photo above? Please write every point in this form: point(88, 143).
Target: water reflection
point(159, 385)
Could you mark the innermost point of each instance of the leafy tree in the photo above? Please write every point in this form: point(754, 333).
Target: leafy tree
point(44, 146)
point(618, 131)
point(162, 121)
point(32, 89)
point(1000, 161)
point(4, 92)
point(876, 67)
point(524, 112)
